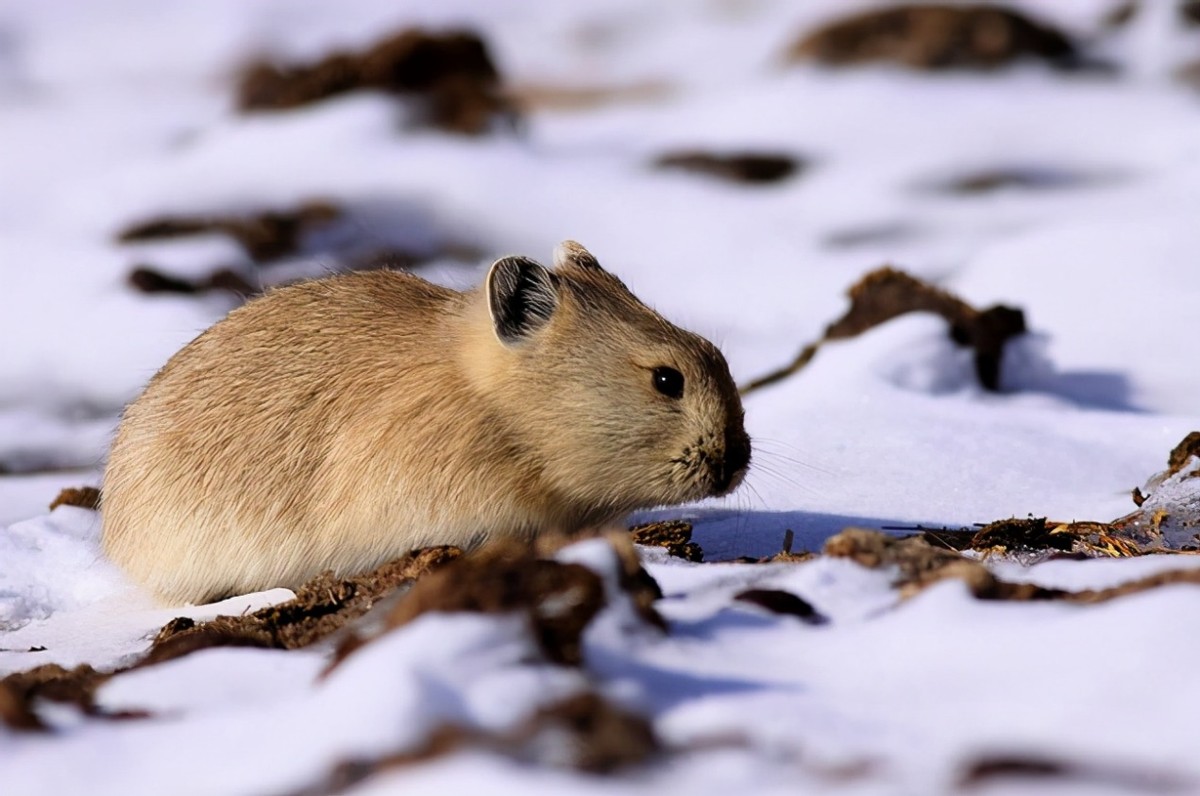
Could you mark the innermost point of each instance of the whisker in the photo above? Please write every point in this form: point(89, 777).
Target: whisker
point(777, 475)
point(757, 495)
point(765, 444)
point(739, 511)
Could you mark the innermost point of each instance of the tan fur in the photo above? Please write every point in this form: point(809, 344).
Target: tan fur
point(338, 423)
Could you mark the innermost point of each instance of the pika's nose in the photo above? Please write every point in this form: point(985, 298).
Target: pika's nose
point(737, 458)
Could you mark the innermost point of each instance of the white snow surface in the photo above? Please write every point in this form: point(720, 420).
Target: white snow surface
point(113, 111)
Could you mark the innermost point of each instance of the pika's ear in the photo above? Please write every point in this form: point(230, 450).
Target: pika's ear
point(522, 296)
point(571, 253)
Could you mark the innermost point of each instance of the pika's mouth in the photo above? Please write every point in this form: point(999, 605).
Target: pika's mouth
point(725, 482)
point(712, 470)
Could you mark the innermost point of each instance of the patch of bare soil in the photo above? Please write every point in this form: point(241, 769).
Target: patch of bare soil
point(886, 293)
point(451, 74)
point(20, 691)
point(753, 168)
point(270, 236)
point(1034, 538)
point(148, 279)
point(936, 36)
point(637, 584)
point(585, 733)
point(1026, 178)
point(674, 536)
point(85, 497)
point(557, 599)
point(988, 770)
point(321, 607)
point(778, 601)
point(265, 236)
point(919, 564)
point(913, 557)
point(1013, 535)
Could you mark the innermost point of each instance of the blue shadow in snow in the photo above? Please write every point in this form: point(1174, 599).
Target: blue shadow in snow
point(660, 688)
point(726, 534)
point(726, 619)
point(1106, 390)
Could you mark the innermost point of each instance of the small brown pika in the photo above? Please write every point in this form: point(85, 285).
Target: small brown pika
point(338, 423)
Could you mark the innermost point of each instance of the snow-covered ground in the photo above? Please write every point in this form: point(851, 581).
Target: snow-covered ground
point(115, 111)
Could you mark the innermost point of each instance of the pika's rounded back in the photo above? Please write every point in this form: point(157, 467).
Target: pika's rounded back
point(338, 423)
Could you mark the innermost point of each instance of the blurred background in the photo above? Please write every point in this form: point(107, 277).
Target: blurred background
point(739, 163)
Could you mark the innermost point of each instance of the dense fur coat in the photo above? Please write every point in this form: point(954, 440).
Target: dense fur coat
point(340, 422)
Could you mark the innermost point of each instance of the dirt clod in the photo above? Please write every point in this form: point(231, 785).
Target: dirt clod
point(1029, 535)
point(989, 768)
point(559, 600)
point(585, 732)
point(936, 36)
point(1029, 769)
point(314, 233)
point(887, 293)
point(783, 602)
point(146, 279)
point(914, 558)
point(745, 167)
point(638, 584)
point(20, 691)
point(1186, 449)
point(15, 711)
point(920, 565)
point(85, 497)
point(265, 236)
point(674, 536)
point(991, 180)
point(452, 72)
point(1189, 12)
point(322, 606)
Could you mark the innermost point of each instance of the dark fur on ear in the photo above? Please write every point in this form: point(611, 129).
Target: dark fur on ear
point(522, 296)
point(571, 253)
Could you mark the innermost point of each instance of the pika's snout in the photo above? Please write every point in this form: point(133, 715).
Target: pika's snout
point(730, 471)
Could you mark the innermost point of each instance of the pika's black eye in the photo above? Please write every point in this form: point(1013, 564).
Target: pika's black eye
point(668, 381)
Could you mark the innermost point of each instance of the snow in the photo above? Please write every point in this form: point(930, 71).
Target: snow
point(116, 111)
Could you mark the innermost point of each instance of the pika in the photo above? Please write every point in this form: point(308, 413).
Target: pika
point(341, 422)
